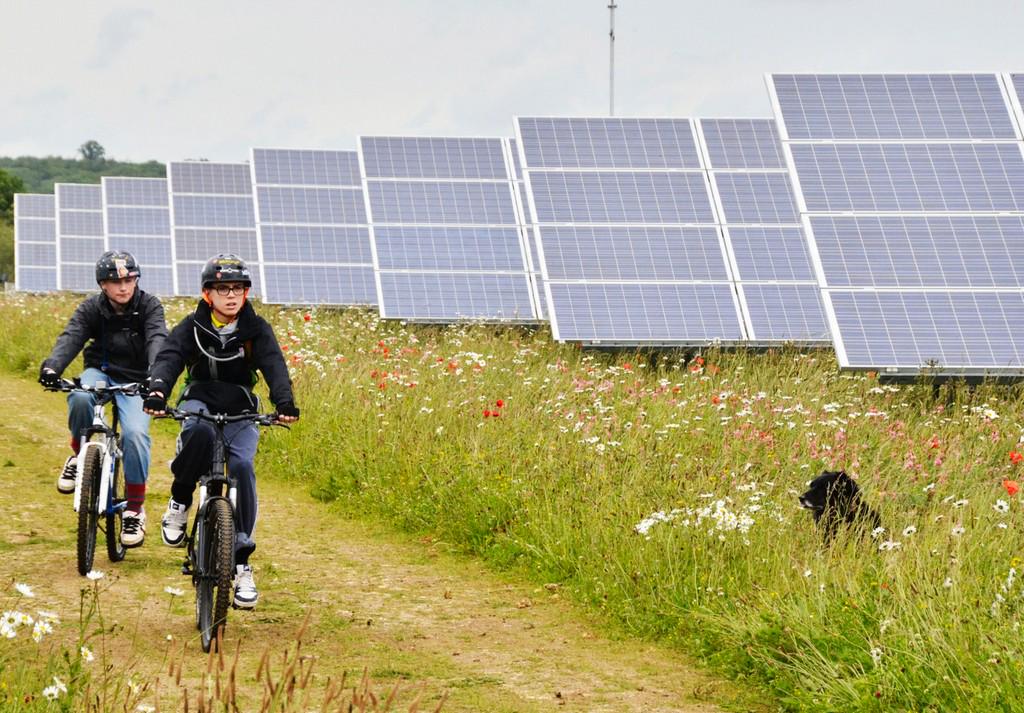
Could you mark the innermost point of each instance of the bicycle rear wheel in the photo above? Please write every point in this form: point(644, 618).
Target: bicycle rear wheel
point(87, 515)
point(115, 550)
point(216, 554)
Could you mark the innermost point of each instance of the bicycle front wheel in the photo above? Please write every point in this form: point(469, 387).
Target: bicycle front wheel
point(216, 554)
point(115, 550)
point(87, 509)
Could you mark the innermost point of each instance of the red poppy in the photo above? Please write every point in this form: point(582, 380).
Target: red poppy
point(307, 316)
point(1012, 487)
point(935, 442)
point(495, 414)
point(627, 366)
point(715, 399)
point(284, 347)
point(487, 413)
point(1016, 457)
point(699, 361)
point(499, 403)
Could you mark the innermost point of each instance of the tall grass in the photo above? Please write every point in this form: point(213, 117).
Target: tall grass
point(664, 494)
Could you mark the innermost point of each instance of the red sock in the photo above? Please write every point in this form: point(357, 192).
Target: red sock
point(75, 445)
point(136, 495)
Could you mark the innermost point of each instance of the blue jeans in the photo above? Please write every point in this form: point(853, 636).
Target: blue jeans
point(134, 424)
point(195, 454)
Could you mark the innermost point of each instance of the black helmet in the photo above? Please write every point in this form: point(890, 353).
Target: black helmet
point(226, 268)
point(116, 265)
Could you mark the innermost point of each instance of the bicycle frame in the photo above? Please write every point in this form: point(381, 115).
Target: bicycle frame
point(211, 487)
point(110, 452)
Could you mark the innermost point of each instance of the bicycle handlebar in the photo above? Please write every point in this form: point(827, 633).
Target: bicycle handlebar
point(129, 389)
point(262, 419)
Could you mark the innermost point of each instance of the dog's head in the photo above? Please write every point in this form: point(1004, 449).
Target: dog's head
point(827, 489)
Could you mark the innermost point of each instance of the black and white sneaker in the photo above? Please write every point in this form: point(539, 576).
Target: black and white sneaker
point(66, 479)
point(172, 526)
point(246, 595)
point(133, 528)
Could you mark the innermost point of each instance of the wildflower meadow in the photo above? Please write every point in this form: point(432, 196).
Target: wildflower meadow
point(661, 491)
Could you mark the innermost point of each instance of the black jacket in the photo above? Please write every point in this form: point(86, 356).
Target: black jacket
point(123, 345)
point(222, 375)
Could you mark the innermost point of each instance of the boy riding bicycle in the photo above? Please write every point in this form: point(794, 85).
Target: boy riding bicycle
point(126, 327)
point(221, 345)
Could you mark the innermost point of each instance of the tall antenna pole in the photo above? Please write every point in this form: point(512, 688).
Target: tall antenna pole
point(611, 58)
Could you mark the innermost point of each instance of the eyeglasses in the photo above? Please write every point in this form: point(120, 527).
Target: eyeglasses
point(225, 290)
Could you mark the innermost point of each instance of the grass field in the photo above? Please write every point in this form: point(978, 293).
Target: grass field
point(664, 495)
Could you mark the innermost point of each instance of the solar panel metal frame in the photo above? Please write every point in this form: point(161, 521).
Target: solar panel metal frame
point(539, 227)
point(269, 298)
point(179, 289)
point(112, 237)
point(19, 199)
point(899, 371)
point(63, 233)
point(725, 225)
point(509, 180)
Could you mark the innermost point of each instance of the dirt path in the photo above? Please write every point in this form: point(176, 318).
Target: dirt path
point(404, 609)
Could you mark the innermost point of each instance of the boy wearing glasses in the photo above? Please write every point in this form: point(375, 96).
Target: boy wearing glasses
point(221, 345)
point(126, 327)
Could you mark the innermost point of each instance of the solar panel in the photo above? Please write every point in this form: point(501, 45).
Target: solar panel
point(447, 234)
point(896, 107)
point(912, 193)
point(138, 220)
point(630, 247)
point(314, 233)
point(35, 242)
point(211, 212)
point(528, 230)
point(760, 222)
point(80, 239)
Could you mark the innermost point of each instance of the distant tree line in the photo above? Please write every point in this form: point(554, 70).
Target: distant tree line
point(39, 174)
point(28, 174)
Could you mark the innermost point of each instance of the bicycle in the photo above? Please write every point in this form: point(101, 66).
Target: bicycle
point(99, 482)
point(210, 553)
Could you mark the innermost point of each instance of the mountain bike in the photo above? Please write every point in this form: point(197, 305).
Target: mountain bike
point(99, 482)
point(210, 554)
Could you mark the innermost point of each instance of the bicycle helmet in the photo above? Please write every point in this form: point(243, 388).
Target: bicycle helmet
point(116, 265)
point(226, 268)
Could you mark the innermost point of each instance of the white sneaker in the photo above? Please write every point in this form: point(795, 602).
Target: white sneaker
point(173, 524)
point(133, 528)
point(246, 595)
point(66, 479)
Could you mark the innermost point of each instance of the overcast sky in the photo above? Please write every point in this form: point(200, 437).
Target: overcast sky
point(182, 79)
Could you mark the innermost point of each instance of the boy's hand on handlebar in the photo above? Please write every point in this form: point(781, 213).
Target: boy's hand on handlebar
point(155, 404)
point(287, 412)
point(49, 378)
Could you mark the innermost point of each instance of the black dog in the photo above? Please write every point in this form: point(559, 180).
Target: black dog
point(834, 498)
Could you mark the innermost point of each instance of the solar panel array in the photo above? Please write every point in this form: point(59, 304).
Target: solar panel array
point(35, 242)
point(760, 222)
point(80, 235)
point(446, 234)
point(138, 220)
point(912, 192)
point(313, 228)
point(889, 218)
point(211, 213)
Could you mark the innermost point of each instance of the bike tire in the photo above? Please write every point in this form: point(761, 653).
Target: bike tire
point(88, 518)
point(115, 550)
point(213, 591)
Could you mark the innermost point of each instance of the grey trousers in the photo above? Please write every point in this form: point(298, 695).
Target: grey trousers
point(195, 452)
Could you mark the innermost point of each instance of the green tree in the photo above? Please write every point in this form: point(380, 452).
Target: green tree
point(9, 185)
point(92, 151)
